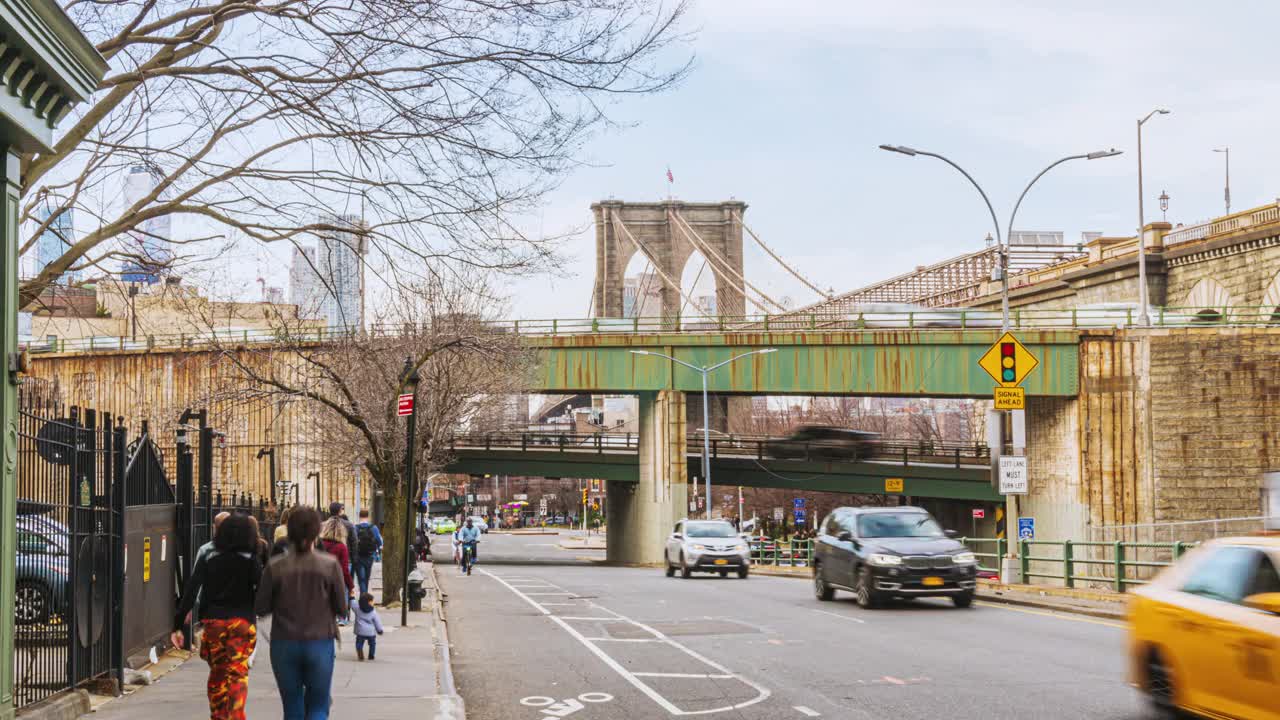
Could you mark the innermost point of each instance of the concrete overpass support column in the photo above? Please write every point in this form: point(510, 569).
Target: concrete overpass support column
point(642, 514)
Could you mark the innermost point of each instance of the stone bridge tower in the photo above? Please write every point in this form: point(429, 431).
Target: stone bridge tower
point(622, 227)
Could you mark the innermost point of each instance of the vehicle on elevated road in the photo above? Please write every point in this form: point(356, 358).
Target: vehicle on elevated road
point(1204, 635)
point(881, 553)
point(820, 442)
point(707, 546)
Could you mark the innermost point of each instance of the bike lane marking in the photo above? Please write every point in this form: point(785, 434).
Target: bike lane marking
point(634, 678)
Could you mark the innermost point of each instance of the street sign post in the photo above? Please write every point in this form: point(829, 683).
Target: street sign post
point(893, 485)
point(777, 514)
point(798, 503)
point(1010, 398)
point(1026, 528)
point(799, 517)
point(1013, 475)
point(979, 513)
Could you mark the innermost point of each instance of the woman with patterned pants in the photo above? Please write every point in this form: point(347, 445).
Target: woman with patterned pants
point(223, 590)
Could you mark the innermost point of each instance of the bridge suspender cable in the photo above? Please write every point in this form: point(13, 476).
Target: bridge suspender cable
point(714, 256)
point(618, 224)
point(779, 260)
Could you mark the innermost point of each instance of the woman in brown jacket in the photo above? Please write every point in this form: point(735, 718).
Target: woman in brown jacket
point(303, 591)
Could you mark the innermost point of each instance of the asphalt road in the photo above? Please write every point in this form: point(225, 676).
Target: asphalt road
point(537, 640)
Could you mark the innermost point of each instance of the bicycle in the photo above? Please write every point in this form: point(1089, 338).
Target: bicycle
point(468, 555)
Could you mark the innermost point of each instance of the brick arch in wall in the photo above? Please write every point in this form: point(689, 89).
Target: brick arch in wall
point(1271, 300)
point(1207, 298)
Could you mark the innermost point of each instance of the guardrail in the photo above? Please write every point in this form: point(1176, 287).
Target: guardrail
point(871, 319)
point(1119, 565)
point(757, 446)
point(789, 553)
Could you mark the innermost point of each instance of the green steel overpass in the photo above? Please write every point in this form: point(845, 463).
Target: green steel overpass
point(944, 471)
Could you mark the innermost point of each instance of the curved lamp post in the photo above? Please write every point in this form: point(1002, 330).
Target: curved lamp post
point(1144, 316)
point(706, 415)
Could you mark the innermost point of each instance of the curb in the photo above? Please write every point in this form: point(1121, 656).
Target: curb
point(451, 704)
point(67, 706)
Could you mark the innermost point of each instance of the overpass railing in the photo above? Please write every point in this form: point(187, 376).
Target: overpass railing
point(759, 447)
point(872, 318)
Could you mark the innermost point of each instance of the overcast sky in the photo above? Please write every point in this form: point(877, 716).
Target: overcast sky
point(790, 99)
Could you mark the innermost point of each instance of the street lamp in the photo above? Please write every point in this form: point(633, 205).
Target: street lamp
point(1003, 246)
point(271, 453)
point(1164, 204)
point(706, 414)
point(1095, 155)
point(1226, 189)
point(1144, 316)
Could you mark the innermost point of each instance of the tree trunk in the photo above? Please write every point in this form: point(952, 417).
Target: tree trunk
point(393, 536)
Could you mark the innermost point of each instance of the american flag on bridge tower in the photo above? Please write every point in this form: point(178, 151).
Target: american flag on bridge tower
point(670, 178)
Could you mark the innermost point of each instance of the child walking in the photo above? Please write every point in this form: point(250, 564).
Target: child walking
point(368, 626)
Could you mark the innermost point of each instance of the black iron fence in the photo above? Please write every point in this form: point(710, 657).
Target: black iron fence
point(69, 562)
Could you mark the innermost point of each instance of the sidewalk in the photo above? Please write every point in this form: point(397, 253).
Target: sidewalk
point(402, 682)
point(577, 540)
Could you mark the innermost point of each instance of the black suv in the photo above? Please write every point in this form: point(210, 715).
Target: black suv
point(891, 552)
point(819, 442)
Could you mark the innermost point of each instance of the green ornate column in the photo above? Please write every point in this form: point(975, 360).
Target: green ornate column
point(46, 67)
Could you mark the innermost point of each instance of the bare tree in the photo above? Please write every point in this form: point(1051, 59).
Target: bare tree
point(351, 383)
point(277, 120)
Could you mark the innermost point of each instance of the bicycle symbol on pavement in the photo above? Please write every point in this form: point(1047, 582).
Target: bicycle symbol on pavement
point(564, 708)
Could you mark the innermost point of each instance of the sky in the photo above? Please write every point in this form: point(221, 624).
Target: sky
point(789, 101)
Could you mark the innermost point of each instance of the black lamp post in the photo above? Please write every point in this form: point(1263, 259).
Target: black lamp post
point(411, 380)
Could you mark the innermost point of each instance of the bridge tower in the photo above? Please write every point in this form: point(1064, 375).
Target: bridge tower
point(658, 230)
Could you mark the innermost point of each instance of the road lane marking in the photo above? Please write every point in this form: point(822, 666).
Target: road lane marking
point(589, 619)
point(809, 712)
point(842, 617)
point(894, 680)
point(762, 693)
point(685, 676)
point(1060, 616)
point(630, 640)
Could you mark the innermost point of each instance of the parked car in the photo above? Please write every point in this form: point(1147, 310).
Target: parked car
point(41, 572)
point(479, 522)
point(897, 552)
point(707, 546)
point(445, 526)
point(820, 442)
point(1204, 635)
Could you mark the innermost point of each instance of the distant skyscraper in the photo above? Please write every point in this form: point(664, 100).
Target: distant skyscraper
point(340, 262)
point(148, 242)
point(304, 282)
point(54, 241)
point(641, 295)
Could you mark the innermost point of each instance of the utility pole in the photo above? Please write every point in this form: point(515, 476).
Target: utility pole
point(411, 379)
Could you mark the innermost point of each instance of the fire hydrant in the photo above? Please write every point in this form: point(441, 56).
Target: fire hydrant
point(415, 590)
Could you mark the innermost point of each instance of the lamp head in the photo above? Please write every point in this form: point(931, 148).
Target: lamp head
point(902, 149)
point(639, 352)
point(1096, 154)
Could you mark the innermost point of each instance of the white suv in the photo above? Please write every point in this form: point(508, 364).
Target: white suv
point(706, 546)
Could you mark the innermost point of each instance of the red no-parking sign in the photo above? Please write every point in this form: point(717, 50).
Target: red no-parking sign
point(405, 405)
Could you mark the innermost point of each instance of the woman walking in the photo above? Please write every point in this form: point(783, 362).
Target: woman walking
point(229, 578)
point(303, 590)
point(333, 540)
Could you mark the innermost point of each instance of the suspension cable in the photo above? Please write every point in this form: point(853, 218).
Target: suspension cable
point(656, 266)
point(779, 260)
point(711, 253)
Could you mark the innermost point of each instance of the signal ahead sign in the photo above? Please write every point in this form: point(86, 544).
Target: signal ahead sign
point(1008, 361)
point(404, 405)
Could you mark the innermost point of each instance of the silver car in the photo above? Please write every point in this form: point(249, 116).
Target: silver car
point(706, 546)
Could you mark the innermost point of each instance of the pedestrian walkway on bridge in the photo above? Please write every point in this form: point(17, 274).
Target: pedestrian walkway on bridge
point(401, 683)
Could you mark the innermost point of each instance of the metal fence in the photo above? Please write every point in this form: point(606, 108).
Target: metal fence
point(783, 553)
point(1108, 565)
point(69, 559)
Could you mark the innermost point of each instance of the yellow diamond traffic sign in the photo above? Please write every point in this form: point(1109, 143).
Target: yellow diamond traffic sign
point(1008, 361)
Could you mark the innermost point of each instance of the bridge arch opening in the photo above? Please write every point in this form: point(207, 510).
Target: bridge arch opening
point(1271, 301)
point(698, 285)
point(1208, 301)
point(641, 288)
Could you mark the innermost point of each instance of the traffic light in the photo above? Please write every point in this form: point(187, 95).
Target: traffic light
point(1008, 373)
point(584, 496)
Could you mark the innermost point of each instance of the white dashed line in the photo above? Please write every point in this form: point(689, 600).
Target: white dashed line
point(860, 621)
point(808, 712)
point(721, 672)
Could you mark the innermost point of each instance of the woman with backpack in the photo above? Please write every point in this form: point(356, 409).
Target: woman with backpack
point(228, 580)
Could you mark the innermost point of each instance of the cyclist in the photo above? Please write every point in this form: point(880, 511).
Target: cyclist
point(468, 537)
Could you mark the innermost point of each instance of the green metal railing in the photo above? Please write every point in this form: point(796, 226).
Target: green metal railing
point(1119, 565)
point(795, 553)
point(924, 319)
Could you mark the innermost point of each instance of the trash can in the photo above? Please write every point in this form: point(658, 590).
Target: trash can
point(416, 591)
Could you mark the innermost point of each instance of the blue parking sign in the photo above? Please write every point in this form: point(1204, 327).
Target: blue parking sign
point(1026, 528)
point(799, 517)
point(799, 503)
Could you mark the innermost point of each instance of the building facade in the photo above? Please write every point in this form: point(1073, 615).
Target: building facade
point(340, 267)
point(149, 257)
point(55, 240)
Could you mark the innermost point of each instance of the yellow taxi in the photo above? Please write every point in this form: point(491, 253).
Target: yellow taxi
point(1204, 635)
